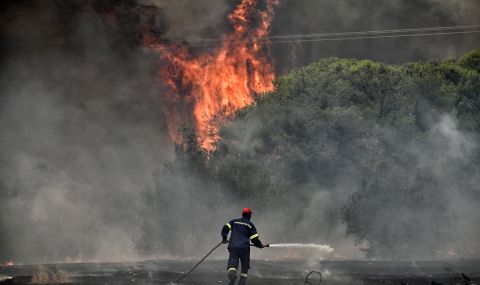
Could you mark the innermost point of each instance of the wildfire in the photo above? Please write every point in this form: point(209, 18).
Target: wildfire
point(208, 88)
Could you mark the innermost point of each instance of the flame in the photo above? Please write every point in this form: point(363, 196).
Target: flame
point(210, 87)
point(9, 263)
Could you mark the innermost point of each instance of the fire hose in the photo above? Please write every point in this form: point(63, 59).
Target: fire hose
point(217, 246)
point(196, 265)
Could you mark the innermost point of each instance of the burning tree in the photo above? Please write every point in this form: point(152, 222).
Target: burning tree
point(218, 83)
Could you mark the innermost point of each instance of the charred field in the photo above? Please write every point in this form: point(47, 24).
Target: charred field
point(264, 272)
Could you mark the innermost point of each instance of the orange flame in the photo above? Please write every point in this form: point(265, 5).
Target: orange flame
point(9, 263)
point(211, 87)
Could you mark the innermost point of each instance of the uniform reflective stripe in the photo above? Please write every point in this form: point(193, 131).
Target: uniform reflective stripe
point(232, 269)
point(243, 274)
point(254, 236)
point(228, 225)
point(245, 224)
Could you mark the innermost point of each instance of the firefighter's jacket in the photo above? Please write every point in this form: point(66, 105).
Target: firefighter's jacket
point(243, 231)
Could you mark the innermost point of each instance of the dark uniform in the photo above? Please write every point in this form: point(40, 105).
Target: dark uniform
point(243, 231)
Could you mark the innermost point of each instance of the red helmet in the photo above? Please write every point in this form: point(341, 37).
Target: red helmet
point(246, 211)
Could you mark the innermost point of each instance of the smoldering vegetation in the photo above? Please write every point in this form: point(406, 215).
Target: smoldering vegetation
point(386, 154)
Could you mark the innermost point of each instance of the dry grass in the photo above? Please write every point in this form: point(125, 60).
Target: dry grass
point(57, 275)
point(40, 275)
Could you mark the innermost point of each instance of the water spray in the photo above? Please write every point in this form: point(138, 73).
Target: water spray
point(321, 247)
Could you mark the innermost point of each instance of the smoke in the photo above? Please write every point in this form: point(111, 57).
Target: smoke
point(82, 130)
point(452, 157)
point(424, 205)
point(306, 16)
point(82, 123)
point(191, 20)
point(295, 195)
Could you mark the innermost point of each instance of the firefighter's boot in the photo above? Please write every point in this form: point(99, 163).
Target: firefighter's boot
point(232, 276)
point(243, 280)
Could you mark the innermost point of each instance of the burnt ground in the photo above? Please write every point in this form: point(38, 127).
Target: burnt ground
point(262, 272)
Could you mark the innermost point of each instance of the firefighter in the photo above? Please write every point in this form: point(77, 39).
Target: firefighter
point(243, 231)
